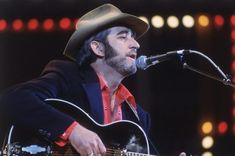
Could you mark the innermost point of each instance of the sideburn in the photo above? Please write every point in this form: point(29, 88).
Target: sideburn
point(109, 51)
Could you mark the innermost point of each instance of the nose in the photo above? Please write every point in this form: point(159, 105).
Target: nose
point(134, 44)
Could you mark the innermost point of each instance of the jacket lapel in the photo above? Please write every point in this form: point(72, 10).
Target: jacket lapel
point(91, 85)
point(95, 100)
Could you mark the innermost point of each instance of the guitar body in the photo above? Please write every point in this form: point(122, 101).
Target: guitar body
point(120, 138)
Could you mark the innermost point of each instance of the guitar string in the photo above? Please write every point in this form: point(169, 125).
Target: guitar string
point(71, 153)
point(109, 152)
point(106, 154)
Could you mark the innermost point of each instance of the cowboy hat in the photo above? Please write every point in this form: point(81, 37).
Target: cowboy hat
point(98, 19)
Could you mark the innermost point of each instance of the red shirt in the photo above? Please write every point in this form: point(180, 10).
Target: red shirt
point(110, 114)
point(121, 94)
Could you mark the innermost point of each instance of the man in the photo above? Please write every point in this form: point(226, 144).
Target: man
point(102, 52)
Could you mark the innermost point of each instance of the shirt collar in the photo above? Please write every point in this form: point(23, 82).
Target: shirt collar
point(122, 92)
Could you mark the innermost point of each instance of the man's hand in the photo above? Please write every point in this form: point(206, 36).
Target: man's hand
point(86, 142)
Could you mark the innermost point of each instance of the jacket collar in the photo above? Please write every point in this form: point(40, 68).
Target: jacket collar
point(91, 85)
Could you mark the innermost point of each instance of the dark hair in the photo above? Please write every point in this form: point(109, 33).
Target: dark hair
point(86, 55)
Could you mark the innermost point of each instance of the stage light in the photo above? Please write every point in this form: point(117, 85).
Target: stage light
point(33, 24)
point(233, 79)
point(157, 21)
point(207, 142)
point(232, 20)
point(207, 127)
point(48, 24)
point(144, 19)
point(207, 154)
point(233, 35)
point(219, 20)
point(233, 50)
point(233, 66)
point(17, 25)
point(203, 21)
point(65, 23)
point(233, 110)
point(3, 24)
point(172, 21)
point(222, 127)
point(188, 21)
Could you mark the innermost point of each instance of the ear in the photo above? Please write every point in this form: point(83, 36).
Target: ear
point(97, 48)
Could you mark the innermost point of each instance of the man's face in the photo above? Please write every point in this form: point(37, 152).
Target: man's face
point(121, 50)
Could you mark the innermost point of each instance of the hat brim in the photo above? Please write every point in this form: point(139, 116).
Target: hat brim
point(82, 33)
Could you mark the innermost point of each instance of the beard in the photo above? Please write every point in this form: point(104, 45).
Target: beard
point(121, 64)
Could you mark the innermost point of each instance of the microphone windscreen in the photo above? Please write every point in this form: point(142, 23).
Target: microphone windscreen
point(141, 62)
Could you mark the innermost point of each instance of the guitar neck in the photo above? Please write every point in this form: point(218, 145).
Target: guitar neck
point(137, 154)
point(124, 152)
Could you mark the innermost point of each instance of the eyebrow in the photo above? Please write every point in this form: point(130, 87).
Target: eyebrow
point(123, 32)
point(126, 32)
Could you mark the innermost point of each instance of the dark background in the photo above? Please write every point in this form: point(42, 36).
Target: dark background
point(178, 100)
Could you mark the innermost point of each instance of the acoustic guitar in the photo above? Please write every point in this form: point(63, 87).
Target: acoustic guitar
point(121, 138)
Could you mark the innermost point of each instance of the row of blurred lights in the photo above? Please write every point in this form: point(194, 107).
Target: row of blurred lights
point(187, 21)
point(156, 21)
point(208, 129)
point(34, 24)
point(233, 70)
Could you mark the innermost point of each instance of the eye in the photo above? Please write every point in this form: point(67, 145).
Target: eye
point(122, 36)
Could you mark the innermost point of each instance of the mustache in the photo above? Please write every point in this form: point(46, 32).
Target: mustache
point(132, 54)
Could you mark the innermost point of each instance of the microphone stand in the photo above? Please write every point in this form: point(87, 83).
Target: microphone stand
point(225, 80)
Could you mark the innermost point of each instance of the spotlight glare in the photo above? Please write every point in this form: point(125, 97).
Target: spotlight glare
point(48, 24)
point(143, 18)
point(233, 79)
point(33, 24)
point(233, 35)
point(203, 21)
point(233, 66)
point(3, 24)
point(219, 20)
point(172, 21)
point(188, 21)
point(233, 52)
point(232, 20)
point(157, 21)
point(207, 142)
point(17, 25)
point(207, 154)
point(233, 111)
point(65, 23)
point(222, 127)
point(207, 127)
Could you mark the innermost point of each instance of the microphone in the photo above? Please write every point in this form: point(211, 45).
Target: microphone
point(143, 62)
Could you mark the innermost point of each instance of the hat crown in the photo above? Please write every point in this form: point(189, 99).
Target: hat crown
point(101, 13)
point(98, 19)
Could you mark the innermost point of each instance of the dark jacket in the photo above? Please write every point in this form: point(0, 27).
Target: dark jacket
point(24, 104)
